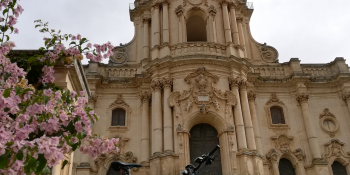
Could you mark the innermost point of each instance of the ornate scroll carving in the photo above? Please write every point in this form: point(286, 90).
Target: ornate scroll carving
point(302, 97)
point(269, 54)
point(200, 71)
point(299, 153)
point(119, 101)
point(326, 113)
point(119, 56)
point(282, 143)
point(274, 99)
point(334, 149)
point(145, 97)
point(272, 155)
point(167, 82)
point(156, 85)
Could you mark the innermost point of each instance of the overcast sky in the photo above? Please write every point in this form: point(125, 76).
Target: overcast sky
point(315, 31)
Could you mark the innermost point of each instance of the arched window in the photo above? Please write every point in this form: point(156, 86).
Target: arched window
point(277, 116)
point(285, 167)
point(338, 168)
point(196, 29)
point(118, 117)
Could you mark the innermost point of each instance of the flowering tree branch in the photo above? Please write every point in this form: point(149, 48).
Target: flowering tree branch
point(39, 122)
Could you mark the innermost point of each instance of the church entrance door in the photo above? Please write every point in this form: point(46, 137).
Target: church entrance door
point(203, 139)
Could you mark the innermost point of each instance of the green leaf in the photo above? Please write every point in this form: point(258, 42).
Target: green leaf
point(65, 162)
point(18, 90)
point(5, 160)
point(29, 164)
point(19, 155)
point(7, 37)
point(7, 93)
point(84, 135)
point(46, 170)
point(72, 43)
point(41, 162)
point(46, 99)
point(79, 136)
point(5, 11)
point(10, 144)
point(71, 127)
point(7, 76)
point(75, 146)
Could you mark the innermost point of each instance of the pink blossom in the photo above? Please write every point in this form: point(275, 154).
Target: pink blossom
point(89, 45)
point(73, 37)
point(16, 31)
point(78, 37)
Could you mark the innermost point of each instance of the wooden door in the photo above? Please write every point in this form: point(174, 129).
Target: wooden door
point(203, 139)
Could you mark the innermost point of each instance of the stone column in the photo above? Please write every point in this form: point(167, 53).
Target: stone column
point(165, 23)
point(241, 137)
point(184, 149)
point(155, 26)
point(247, 117)
point(234, 26)
point(179, 13)
point(251, 98)
point(212, 27)
point(272, 157)
point(145, 97)
point(168, 119)
point(157, 128)
point(245, 26)
point(227, 27)
point(241, 35)
point(303, 98)
point(146, 37)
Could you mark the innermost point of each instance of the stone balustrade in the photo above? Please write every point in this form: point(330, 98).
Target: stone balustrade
point(120, 72)
point(198, 48)
point(317, 72)
point(275, 72)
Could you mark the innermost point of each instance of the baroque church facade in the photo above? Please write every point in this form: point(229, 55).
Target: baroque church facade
point(193, 77)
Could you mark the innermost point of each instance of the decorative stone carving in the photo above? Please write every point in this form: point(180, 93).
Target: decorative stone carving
point(251, 96)
point(212, 10)
point(204, 109)
point(156, 85)
point(167, 82)
point(188, 105)
point(203, 94)
point(216, 105)
point(145, 97)
point(328, 123)
point(234, 82)
point(274, 99)
point(179, 10)
point(243, 84)
point(179, 128)
point(105, 160)
point(302, 97)
point(282, 143)
point(269, 54)
point(272, 155)
point(119, 101)
point(334, 149)
point(346, 96)
point(326, 113)
point(299, 153)
point(201, 71)
point(93, 98)
point(119, 56)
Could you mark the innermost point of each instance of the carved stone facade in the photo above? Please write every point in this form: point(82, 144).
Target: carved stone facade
point(168, 85)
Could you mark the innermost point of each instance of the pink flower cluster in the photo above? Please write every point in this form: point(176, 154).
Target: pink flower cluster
point(98, 147)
